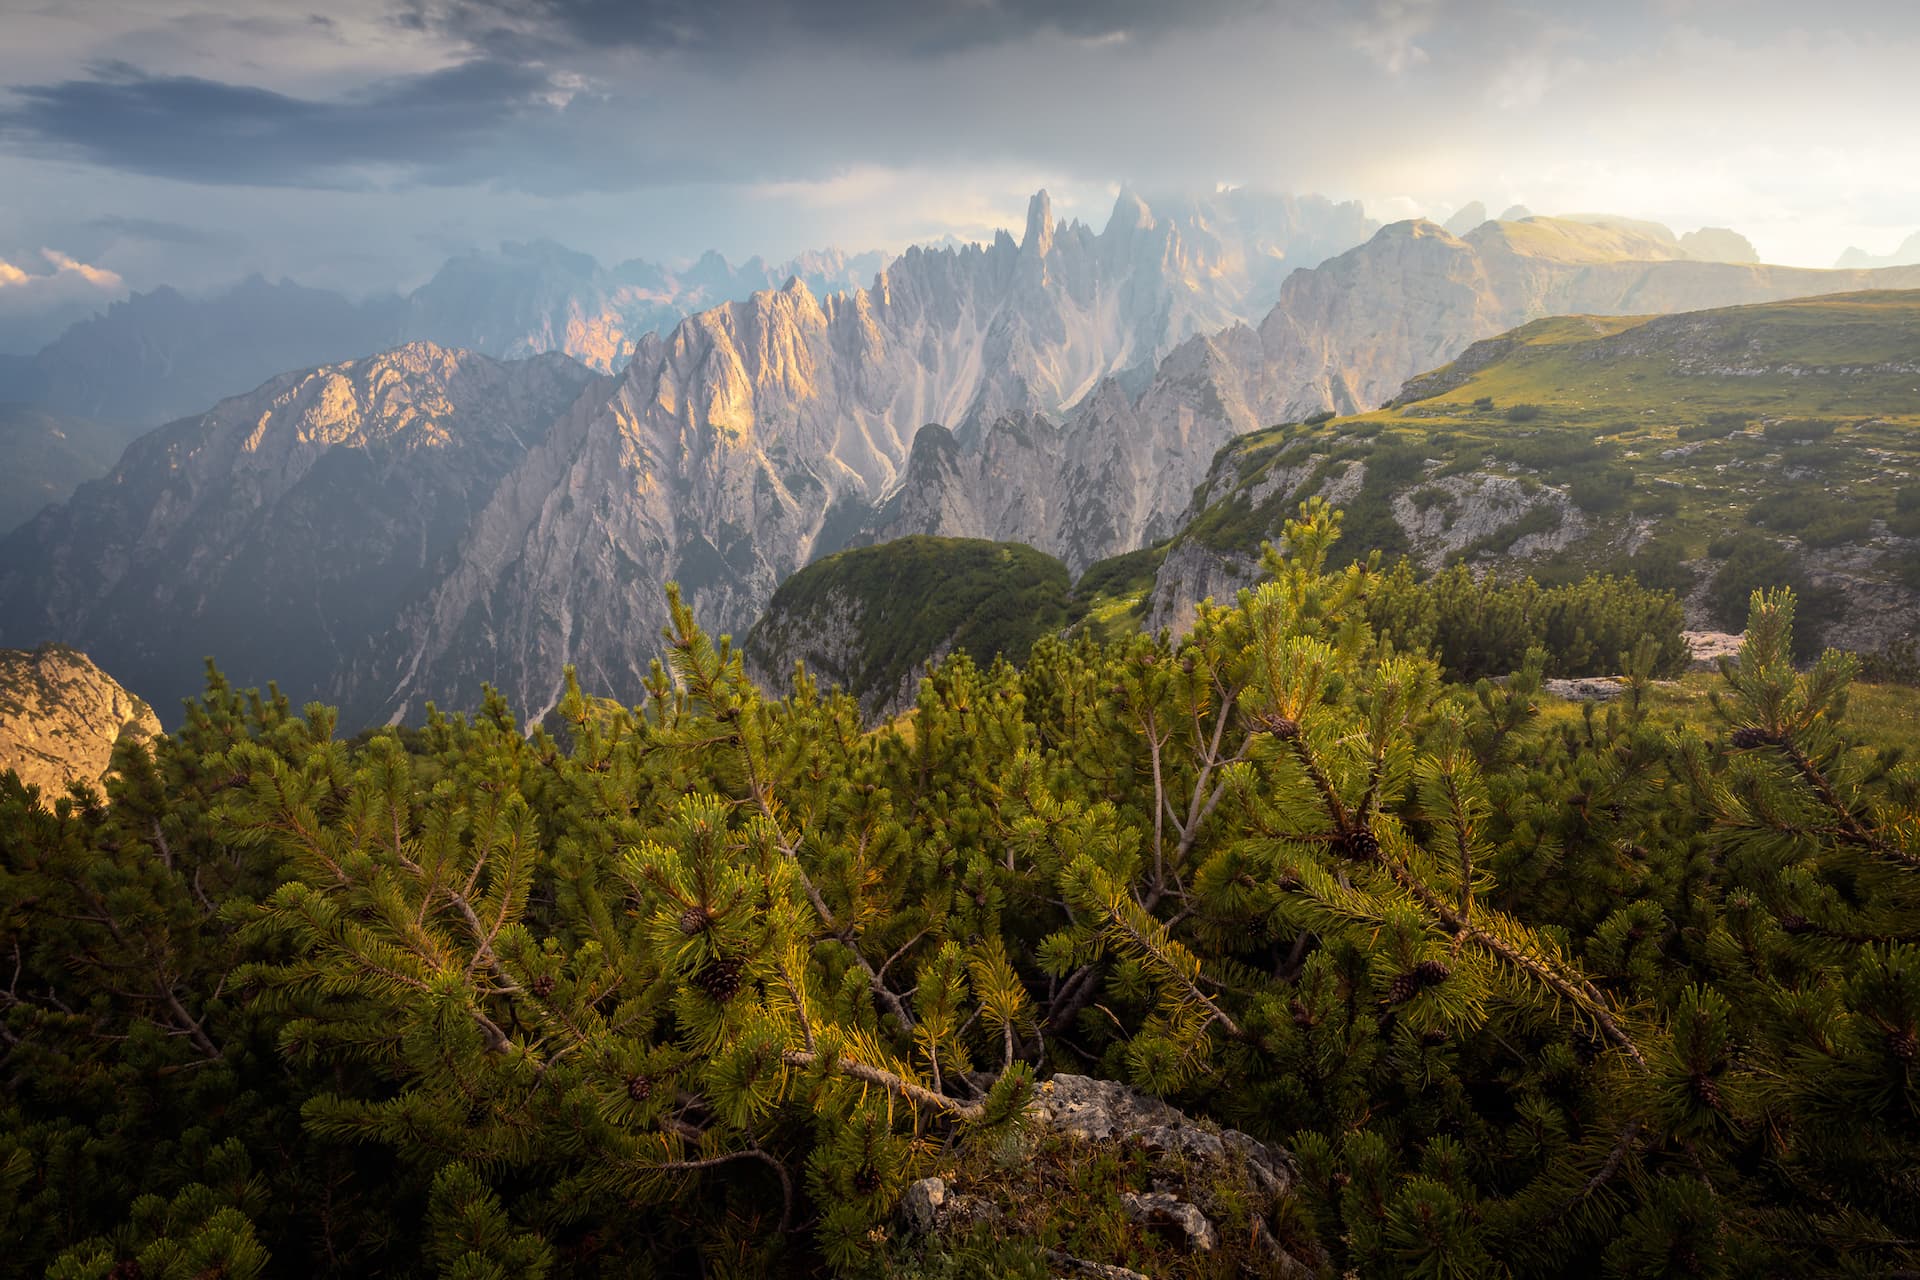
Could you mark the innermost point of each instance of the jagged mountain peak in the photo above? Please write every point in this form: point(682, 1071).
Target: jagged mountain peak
point(1130, 213)
point(1038, 240)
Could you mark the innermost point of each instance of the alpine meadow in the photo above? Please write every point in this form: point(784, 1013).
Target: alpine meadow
point(625, 653)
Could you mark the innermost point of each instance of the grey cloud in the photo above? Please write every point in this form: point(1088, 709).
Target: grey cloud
point(207, 131)
point(162, 232)
point(752, 28)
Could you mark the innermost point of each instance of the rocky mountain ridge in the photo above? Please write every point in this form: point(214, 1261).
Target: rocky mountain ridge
point(283, 532)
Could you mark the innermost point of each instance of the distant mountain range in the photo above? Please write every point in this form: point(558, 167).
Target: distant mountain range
point(161, 355)
point(392, 529)
point(1908, 254)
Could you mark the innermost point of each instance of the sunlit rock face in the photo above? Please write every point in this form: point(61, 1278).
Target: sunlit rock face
point(61, 716)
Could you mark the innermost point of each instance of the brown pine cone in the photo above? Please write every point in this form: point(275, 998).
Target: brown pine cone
point(1431, 973)
point(1285, 728)
point(866, 1180)
point(1402, 988)
point(695, 919)
point(1707, 1089)
point(1903, 1045)
point(543, 985)
point(1748, 738)
point(1361, 845)
point(1794, 922)
point(126, 1269)
point(639, 1088)
point(1302, 1016)
point(720, 978)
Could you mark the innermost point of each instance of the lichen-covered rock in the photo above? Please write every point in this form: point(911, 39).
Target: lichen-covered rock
point(1158, 1208)
point(1106, 1110)
point(60, 716)
point(1096, 1161)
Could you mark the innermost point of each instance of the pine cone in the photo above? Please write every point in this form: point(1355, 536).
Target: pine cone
point(1430, 973)
point(639, 1088)
point(1402, 988)
point(1284, 728)
point(1302, 1016)
point(720, 979)
point(1794, 922)
point(1749, 738)
point(695, 919)
point(866, 1180)
point(1361, 845)
point(126, 1269)
point(1707, 1089)
point(1433, 1038)
point(1903, 1045)
point(543, 985)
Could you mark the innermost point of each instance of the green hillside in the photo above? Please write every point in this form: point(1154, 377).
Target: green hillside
point(866, 617)
point(1709, 453)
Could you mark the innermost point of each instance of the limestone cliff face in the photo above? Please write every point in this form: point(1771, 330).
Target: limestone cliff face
point(60, 716)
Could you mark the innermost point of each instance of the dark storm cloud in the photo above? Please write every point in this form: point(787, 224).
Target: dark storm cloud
point(207, 131)
point(752, 28)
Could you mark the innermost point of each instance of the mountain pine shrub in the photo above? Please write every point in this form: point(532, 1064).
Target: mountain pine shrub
point(703, 985)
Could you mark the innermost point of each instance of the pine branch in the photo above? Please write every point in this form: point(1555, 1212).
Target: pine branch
point(887, 1080)
point(1576, 991)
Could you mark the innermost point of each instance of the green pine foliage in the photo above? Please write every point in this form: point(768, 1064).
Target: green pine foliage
point(701, 986)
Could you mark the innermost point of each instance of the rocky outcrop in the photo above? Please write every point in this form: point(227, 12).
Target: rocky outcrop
point(61, 716)
point(1191, 1175)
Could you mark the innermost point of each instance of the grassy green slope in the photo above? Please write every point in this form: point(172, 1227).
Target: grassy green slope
point(916, 596)
point(1781, 437)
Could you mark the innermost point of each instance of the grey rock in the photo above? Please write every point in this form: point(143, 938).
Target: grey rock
point(923, 1204)
point(1158, 1208)
point(1093, 1110)
point(1585, 689)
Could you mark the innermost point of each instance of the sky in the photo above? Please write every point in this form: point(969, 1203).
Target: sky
point(359, 143)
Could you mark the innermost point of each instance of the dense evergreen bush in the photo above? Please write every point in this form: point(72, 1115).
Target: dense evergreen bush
point(704, 989)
